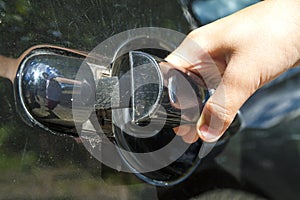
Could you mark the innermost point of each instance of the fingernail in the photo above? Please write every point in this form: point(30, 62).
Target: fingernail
point(208, 134)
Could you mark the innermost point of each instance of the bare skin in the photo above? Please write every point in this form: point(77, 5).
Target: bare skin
point(249, 48)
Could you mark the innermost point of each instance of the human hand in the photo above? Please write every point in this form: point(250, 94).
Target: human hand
point(237, 55)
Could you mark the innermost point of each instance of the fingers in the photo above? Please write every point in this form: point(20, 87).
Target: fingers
point(236, 87)
point(221, 108)
point(192, 50)
point(230, 56)
point(187, 132)
point(191, 57)
point(201, 53)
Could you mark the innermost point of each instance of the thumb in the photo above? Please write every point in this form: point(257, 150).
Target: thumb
point(220, 110)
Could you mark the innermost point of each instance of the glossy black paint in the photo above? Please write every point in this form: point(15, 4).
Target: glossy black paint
point(262, 158)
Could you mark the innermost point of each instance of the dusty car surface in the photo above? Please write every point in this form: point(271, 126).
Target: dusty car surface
point(259, 159)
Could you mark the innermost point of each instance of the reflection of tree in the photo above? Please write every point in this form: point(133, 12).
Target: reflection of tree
point(79, 24)
point(75, 24)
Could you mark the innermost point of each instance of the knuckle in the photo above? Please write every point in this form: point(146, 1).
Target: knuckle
point(193, 34)
point(198, 35)
point(219, 113)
